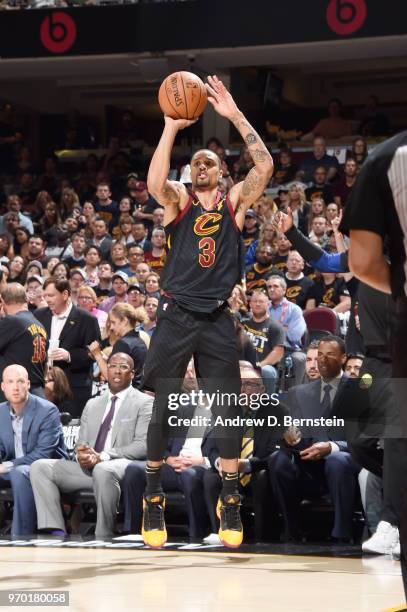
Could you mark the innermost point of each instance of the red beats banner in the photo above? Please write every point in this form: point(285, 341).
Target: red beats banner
point(58, 32)
point(345, 17)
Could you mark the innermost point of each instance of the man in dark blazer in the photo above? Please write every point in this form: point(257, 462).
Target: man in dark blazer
point(317, 458)
point(70, 330)
point(266, 435)
point(183, 470)
point(30, 429)
point(113, 432)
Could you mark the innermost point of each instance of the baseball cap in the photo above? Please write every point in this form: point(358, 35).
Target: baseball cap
point(35, 263)
point(134, 287)
point(132, 175)
point(140, 186)
point(251, 213)
point(79, 271)
point(122, 275)
point(35, 277)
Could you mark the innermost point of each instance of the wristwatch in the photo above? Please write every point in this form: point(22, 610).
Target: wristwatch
point(104, 456)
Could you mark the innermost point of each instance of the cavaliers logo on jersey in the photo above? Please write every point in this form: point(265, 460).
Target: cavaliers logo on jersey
point(207, 224)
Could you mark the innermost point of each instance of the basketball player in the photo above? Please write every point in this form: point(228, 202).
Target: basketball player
point(201, 270)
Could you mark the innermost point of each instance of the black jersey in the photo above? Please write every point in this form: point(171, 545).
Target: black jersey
point(23, 340)
point(202, 264)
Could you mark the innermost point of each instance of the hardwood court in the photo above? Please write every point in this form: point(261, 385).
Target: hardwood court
point(116, 580)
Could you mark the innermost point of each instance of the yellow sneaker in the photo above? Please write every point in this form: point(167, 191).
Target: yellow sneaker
point(231, 528)
point(153, 526)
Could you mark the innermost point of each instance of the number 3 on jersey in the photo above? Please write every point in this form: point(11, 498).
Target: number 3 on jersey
point(207, 246)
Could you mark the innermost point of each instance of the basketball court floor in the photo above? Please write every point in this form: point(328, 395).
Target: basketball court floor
point(122, 575)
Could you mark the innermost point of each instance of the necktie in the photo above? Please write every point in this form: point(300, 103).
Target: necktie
point(246, 453)
point(104, 428)
point(326, 401)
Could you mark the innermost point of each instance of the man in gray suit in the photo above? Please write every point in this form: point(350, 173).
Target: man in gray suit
point(113, 433)
point(30, 429)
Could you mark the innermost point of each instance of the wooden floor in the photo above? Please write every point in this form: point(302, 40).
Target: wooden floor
point(103, 580)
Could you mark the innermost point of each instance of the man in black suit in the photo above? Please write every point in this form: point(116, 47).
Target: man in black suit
point(319, 459)
point(183, 470)
point(70, 331)
point(259, 442)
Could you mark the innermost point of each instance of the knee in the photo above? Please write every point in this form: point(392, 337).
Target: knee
point(190, 480)
point(268, 371)
point(20, 474)
point(278, 462)
point(102, 472)
point(39, 468)
point(135, 471)
point(336, 463)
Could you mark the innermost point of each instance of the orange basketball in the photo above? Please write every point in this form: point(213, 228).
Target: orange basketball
point(182, 95)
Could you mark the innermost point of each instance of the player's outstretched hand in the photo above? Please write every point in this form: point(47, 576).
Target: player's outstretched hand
point(282, 222)
point(180, 124)
point(220, 98)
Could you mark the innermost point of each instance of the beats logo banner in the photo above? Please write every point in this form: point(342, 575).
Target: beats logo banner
point(58, 32)
point(345, 17)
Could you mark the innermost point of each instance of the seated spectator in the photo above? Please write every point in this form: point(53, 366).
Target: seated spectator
point(353, 364)
point(311, 362)
point(34, 267)
point(298, 285)
point(251, 228)
point(319, 157)
point(332, 127)
point(100, 237)
point(122, 322)
point(38, 208)
point(257, 274)
point(290, 316)
point(60, 271)
point(49, 223)
point(342, 188)
point(319, 458)
point(120, 283)
point(319, 188)
point(374, 121)
point(359, 151)
point(298, 205)
point(86, 299)
point(144, 204)
point(105, 207)
point(183, 470)
point(35, 294)
point(17, 273)
point(20, 242)
point(155, 258)
point(118, 257)
point(281, 256)
point(158, 219)
point(284, 170)
point(238, 301)
point(265, 209)
point(93, 257)
point(258, 444)
point(77, 259)
point(330, 291)
point(14, 204)
point(57, 389)
point(123, 233)
point(150, 305)
point(126, 207)
point(87, 218)
point(10, 224)
point(6, 248)
point(142, 272)
point(69, 199)
point(245, 348)
point(135, 296)
point(36, 248)
point(77, 279)
point(152, 285)
point(319, 230)
point(140, 234)
point(267, 236)
point(268, 338)
point(42, 438)
point(101, 457)
point(104, 288)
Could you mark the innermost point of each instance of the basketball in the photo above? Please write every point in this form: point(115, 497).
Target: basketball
point(182, 95)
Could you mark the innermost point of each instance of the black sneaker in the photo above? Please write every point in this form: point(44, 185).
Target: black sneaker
point(231, 528)
point(153, 527)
